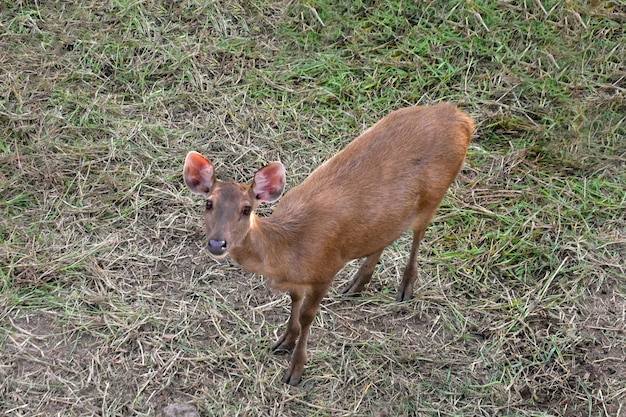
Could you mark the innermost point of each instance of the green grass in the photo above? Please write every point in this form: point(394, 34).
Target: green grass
point(109, 307)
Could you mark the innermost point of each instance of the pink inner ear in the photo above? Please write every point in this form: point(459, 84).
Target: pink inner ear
point(264, 186)
point(196, 160)
point(269, 182)
point(198, 173)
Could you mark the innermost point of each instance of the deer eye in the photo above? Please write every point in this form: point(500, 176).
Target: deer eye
point(209, 204)
point(246, 210)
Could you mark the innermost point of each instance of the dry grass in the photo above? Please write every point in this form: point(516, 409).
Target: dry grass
point(109, 307)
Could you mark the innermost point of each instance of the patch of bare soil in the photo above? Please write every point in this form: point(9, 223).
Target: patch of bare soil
point(601, 361)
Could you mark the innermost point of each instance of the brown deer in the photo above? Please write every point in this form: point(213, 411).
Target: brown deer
point(390, 179)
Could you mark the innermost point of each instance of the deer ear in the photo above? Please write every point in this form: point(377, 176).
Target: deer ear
point(269, 182)
point(199, 174)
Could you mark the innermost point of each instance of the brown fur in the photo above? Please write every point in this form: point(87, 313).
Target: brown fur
point(390, 179)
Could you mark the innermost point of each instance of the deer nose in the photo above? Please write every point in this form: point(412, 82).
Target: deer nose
point(217, 247)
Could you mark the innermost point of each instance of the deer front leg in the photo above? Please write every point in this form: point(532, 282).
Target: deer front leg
point(311, 303)
point(287, 341)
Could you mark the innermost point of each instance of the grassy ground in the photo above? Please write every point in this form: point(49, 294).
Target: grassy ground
point(109, 307)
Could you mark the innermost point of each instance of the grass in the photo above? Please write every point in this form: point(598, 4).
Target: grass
point(109, 307)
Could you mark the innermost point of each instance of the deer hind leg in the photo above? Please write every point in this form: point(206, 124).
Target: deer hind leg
point(363, 275)
point(405, 290)
point(287, 341)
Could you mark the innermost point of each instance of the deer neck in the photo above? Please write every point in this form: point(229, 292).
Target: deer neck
point(259, 252)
